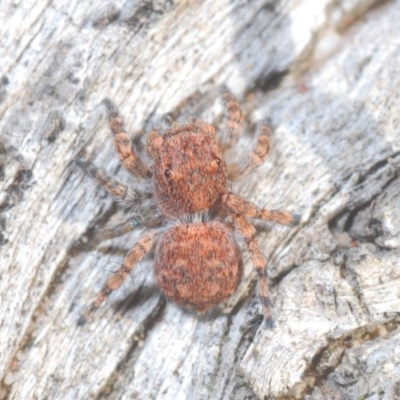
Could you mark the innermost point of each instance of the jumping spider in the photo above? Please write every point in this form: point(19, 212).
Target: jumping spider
point(197, 264)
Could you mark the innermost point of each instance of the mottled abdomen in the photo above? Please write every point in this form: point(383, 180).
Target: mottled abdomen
point(198, 265)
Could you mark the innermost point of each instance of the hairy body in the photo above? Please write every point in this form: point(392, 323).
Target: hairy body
point(197, 264)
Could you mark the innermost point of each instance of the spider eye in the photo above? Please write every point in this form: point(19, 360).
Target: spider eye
point(217, 162)
point(167, 173)
point(135, 223)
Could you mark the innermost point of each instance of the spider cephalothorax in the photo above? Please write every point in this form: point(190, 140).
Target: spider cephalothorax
point(189, 170)
point(197, 264)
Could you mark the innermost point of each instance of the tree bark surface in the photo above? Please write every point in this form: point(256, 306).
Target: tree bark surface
point(326, 74)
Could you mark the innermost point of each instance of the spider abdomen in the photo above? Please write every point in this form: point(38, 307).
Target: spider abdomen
point(198, 265)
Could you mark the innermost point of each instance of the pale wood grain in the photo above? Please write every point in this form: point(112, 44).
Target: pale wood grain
point(335, 159)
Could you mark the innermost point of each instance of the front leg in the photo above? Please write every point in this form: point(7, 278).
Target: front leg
point(127, 154)
point(233, 121)
point(256, 157)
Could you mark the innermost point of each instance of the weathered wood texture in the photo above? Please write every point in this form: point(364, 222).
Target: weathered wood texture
point(327, 73)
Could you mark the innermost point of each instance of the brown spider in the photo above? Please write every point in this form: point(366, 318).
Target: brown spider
point(198, 263)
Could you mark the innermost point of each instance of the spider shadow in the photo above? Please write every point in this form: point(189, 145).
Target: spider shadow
point(136, 299)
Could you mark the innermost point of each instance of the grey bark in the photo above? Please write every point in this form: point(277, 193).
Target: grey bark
point(326, 73)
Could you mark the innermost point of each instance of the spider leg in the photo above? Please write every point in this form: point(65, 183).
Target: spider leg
point(234, 121)
point(239, 205)
point(127, 154)
point(248, 231)
point(126, 227)
point(139, 250)
point(153, 135)
point(129, 196)
point(256, 157)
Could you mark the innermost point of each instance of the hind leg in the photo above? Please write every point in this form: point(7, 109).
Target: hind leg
point(139, 250)
point(259, 261)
